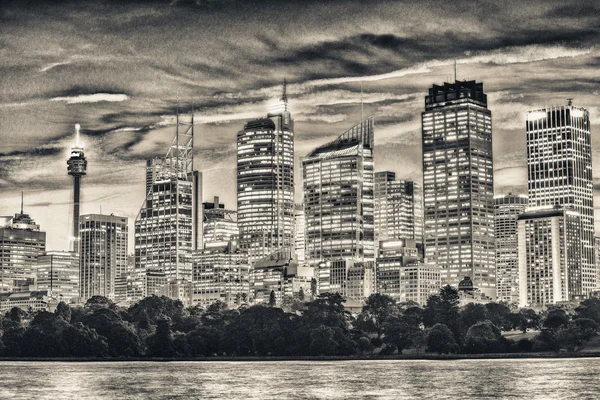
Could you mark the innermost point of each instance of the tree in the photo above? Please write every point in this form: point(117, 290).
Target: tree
point(499, 314)
point(272, 299)
point(482, 337)
point(525, 319)
point(17, 314)
point(161, 343)
point(322, 342)
point(377, 309)
point(120, 336)
point(473, 313)
point(440, 339)
point(82, 341)
point(301, 294)
point(364, 345)
point(556, 319)
point(63, 311)
point(97, 302)
point(443, 309)
point(313, 288)
point(589, 308)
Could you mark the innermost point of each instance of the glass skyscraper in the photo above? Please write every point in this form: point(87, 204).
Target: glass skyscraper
point(169, 225)
point(265, 183)
point(559, 172)
point(398, 209)
point(102, 254)
point(338, 197)
point(506, 210)
point(458, 184)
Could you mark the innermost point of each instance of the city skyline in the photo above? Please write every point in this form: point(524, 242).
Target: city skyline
point(120, 78)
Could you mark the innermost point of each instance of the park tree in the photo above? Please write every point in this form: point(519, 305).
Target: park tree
point(589, 308)
point(483, 337)
point(97, 302)
point(499, 314)
point(556, 319)
point(63, 311)
point(364, 345)
point(443, 309)
point(322, 342)
point(272, 299)
point(377, 310)
point(440, 339)
point(473, 313)
point(160, 344)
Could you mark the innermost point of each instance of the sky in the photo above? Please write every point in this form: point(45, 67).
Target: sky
point(119, 70)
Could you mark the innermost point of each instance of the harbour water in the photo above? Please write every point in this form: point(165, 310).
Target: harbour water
point(390, 379)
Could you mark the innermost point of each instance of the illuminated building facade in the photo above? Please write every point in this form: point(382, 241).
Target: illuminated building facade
point(21, 243)
point(169, 225)
point(550, 252)
point(338, 197)
point(265, 183)
point(221, 274)
point(300, 233)
point(398, 208)
point(559, 172)
point(219, 225)
point(57, 273)
point(458, 185)
point(392, 256)
point(281, 275)
point(506, 210)
point(102, 254)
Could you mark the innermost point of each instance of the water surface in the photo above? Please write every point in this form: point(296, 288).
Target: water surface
point(390, 379)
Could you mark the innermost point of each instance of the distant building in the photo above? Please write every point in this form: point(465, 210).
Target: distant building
point(550, 251)
point(559, 172)
point(597, 258)
point(26, 300)
point(218, 223)
point(169, 225)
point(103, 254)
point(57, 273)
point(506, 210)
point(265, 183)
point(398, 210)
point(300, 233)
point(221, 274)
point(21, 243)
point(338, 197)
point(353, 279)
point(393, 255)
point(281, 275)
point(458, 184)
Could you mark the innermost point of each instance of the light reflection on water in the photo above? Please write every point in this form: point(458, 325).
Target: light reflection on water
point(475, 379)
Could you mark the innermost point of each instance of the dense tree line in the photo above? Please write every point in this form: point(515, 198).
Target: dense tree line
point(162, 327)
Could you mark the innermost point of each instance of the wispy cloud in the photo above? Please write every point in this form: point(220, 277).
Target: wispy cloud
point(92, 98)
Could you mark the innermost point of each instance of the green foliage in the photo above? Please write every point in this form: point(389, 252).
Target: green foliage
point(556, 319)
point(440, 339)
point(378, 309)
point(589, 308)
point(364, 345)
point(483, 337)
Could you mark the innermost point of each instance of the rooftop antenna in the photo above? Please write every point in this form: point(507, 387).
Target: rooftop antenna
point(21, 202)
point(284, 95)
point(570, 101)
point(455, 70)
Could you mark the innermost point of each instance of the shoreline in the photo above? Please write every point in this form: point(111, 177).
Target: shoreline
point(408, 357)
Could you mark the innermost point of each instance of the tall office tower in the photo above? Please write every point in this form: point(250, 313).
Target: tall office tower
point(300, 233)
point(597, 258)
point(559, 160)
point(76, 167)
point(506, 210)
point(550, 252)
point(458, 184)
point(102, 254)
point(21, 243)
point(219, 225)
point(169, 225)
point(398, 208)
point(265, 183)
point(57, 272)
point(338, 197)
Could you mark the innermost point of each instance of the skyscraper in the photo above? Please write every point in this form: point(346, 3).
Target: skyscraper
point(550, 252)
point(398, 209)
point(21, 243)
point(169, 225)
point(57, 272)
point(299, 233)
point(458, 184)
point(559, 172)
point(102, 253)
point(338, 197)
point(76, 167)
point(219, 225)
point(265, 183)
point(506, 210)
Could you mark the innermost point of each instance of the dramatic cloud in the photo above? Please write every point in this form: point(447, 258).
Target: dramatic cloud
point(123, 69)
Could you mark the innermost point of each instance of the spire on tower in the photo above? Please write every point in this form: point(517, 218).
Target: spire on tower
point(284, 95)
point(21, 203)
point(77, 127)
